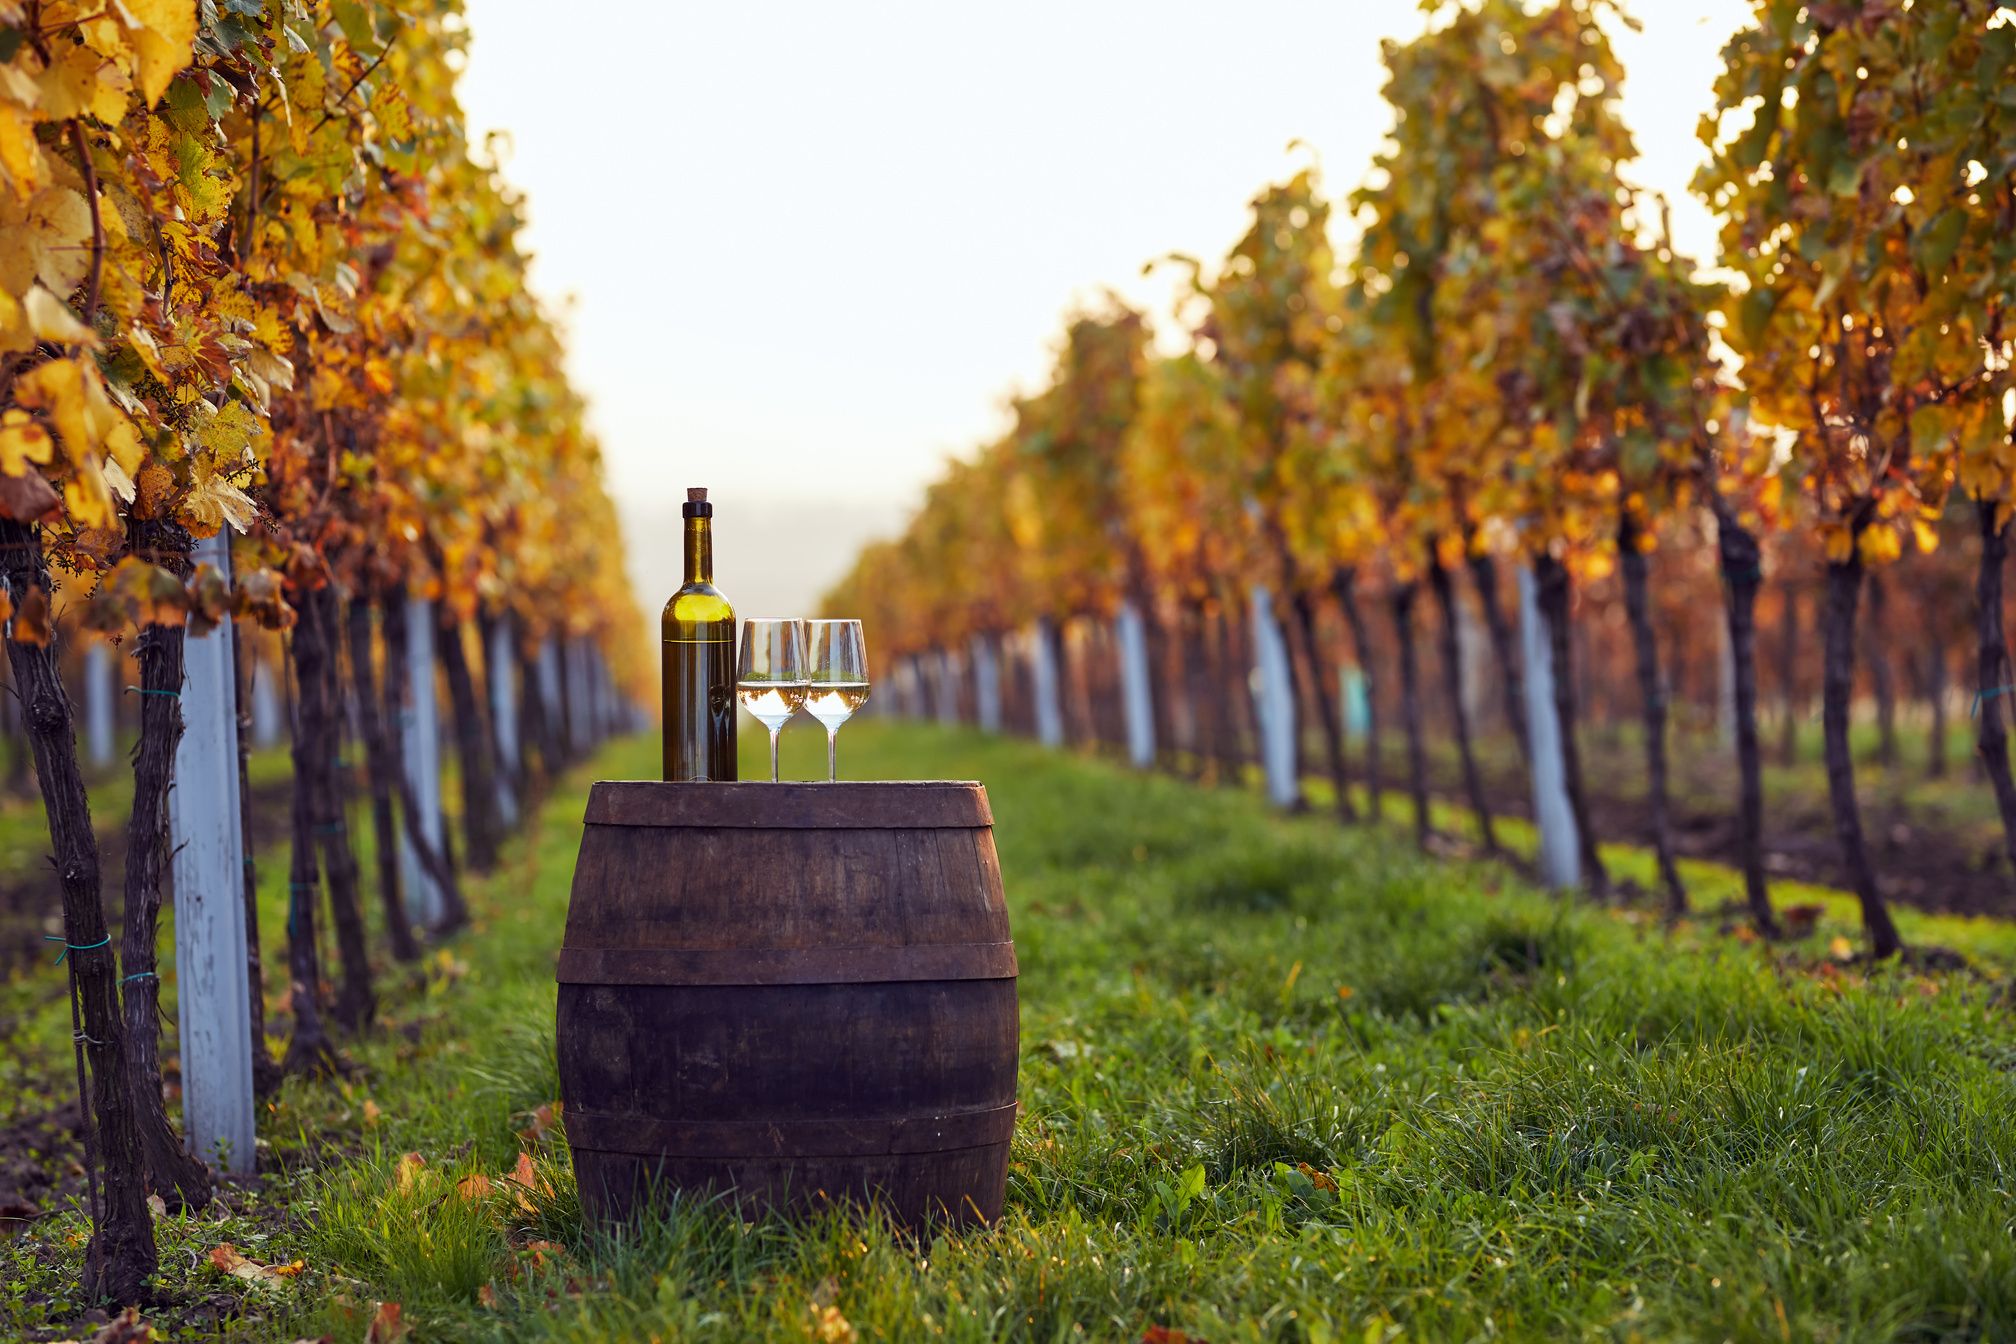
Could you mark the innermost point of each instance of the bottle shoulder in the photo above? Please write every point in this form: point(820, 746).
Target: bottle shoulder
point(699, 604)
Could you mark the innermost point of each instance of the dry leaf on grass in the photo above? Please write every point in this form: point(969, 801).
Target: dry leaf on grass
point(385, 1325)
point(545, 1120)
point(411, 1166)
point(227, 1259)
point(830, 1327)
point(529, 1183)
point(486, 1296)
point(473, 1187)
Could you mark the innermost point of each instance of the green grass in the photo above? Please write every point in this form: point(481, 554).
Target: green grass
point(1280, 1081)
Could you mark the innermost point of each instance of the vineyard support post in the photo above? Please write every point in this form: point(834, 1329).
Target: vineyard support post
point(265, 705)
point(499, 676)
point(213, 985)
point(1043, 667)
point(986, 684)
point(1274, 703)
point(98, 699)
point(549, 699)
point(1137, 695)
point(421, 733)
point(1558, 846)
point(946, 662)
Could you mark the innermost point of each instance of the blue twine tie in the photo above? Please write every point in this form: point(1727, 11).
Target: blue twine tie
point(69, 947)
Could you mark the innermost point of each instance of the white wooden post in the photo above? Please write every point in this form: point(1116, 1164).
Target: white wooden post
point(1136, 695)
point(549, 684)
point(1275, 697)
point(420, 728)
point(986, 684)
point(265, 705)
point(99, 697)
point(500, 671)
point(578, 723)
point(1043, 668)
point(213, 992)
point(949, 668)
point(1560, 860)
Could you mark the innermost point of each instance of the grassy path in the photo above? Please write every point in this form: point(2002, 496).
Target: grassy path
point(1279, 1081)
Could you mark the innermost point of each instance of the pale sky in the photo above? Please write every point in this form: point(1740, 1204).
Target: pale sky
point(808, 250)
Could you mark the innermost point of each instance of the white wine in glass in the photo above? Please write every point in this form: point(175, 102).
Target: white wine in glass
point(771, 682)
point(839, 680)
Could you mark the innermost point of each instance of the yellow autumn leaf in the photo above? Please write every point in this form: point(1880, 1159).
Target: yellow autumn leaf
point(22, 441)
point(21, 159)
point(1837, 542)
point(1880, 545)
point(51, 319)
point(47, 238)
point(163, 45)
point(124, 448)
point(15, 333)
point(87, 495)
point(213, 501)
point(58, 388)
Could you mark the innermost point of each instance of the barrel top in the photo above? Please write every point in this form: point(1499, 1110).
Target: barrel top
point(923, 804)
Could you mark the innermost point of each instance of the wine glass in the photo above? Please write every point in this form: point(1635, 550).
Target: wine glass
point(839, 680)
point(771, 682)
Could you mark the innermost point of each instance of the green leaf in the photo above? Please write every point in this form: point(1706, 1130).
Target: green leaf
point(1754, 313)
point(1937, 241)
point(355, 22)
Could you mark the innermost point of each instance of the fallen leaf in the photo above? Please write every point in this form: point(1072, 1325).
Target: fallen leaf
point(227, 1259)
point(1162, 1334)
point(473, 1187)
point(1841, 949)
point(486, 1296)
point(410, 1168)
point(371, 1112)
point(385, 1325)
point(830, 1327)
point(126, 1328)
point(157, 1206)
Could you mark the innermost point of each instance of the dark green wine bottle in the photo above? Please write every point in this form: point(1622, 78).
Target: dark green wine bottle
point(699, 629)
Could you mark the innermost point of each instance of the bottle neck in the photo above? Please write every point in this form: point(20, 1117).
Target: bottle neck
point(699, 550)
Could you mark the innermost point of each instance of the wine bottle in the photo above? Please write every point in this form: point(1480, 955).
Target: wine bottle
point(699, 630)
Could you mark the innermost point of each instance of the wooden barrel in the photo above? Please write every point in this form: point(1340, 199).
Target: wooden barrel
point(795, 992)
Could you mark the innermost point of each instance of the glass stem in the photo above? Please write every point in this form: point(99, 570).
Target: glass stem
point(832, 755)
point(773, 752)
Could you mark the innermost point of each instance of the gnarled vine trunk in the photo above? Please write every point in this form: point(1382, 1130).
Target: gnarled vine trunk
point(482, 824)
point(378, 760)
point(181, 1180)
point(266, 1071)
point(1742, 575)
point(310, 1051)
point(1844, 583)
point(1452, 677)
point(1344, 584)
point(320, 718)
point(1652, 706)
point(1402, 604)
point(121, 1256)
point(1326, 706)
point(1505, 647)
point(1992, 692)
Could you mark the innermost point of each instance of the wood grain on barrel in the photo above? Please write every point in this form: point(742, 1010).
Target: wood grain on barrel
point(798, 992)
